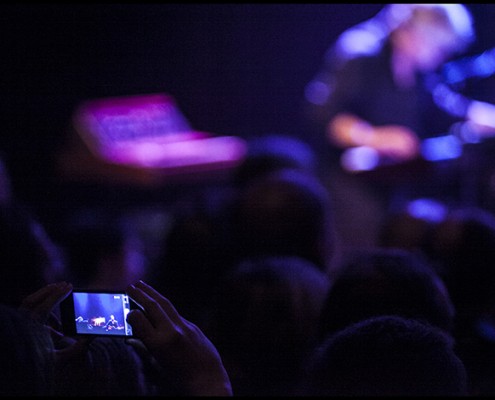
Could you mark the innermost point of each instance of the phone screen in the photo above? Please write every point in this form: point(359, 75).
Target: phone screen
point(101, 313)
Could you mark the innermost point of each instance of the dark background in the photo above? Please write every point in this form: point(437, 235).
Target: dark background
point(234, 69)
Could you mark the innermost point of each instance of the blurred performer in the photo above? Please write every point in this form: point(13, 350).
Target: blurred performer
point(373, 101)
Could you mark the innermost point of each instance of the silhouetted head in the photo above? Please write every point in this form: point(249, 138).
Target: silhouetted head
point(264, 321)
point(463, 245)
point(287, 212)
point(387, 356)
point(383, 281)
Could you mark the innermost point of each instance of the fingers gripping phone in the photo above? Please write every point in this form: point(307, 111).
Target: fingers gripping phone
point(96, 313)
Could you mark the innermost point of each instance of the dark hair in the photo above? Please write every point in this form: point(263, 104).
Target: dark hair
point(386, 356)
point(464, 246)
point(265, 320)
point(287, 212)
point(383, 281)
point(111, 367)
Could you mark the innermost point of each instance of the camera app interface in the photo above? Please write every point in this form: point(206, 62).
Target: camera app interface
point(102, 313)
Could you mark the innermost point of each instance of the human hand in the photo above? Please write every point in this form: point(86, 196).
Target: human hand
point(394, 141)
point(40, 307)
point(40, 304)
point(177, 344)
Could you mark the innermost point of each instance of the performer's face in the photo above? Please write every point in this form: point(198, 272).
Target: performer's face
point(434, 45)
point(428, 39)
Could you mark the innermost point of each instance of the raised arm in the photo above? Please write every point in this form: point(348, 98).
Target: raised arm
point(177, 344)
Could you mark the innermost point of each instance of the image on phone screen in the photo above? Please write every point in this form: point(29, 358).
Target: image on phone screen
point(97, 313)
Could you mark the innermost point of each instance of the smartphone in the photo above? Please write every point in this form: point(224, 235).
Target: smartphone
point(96, 313)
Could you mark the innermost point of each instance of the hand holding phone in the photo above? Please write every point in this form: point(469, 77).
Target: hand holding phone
point(178, 344)
point(41, 307)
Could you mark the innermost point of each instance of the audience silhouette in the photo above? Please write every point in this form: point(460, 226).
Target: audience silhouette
point(381, 281)
point(386, 356)
point(286, 212)
point(102, 251)
point(264, 322)
point(463, 247)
